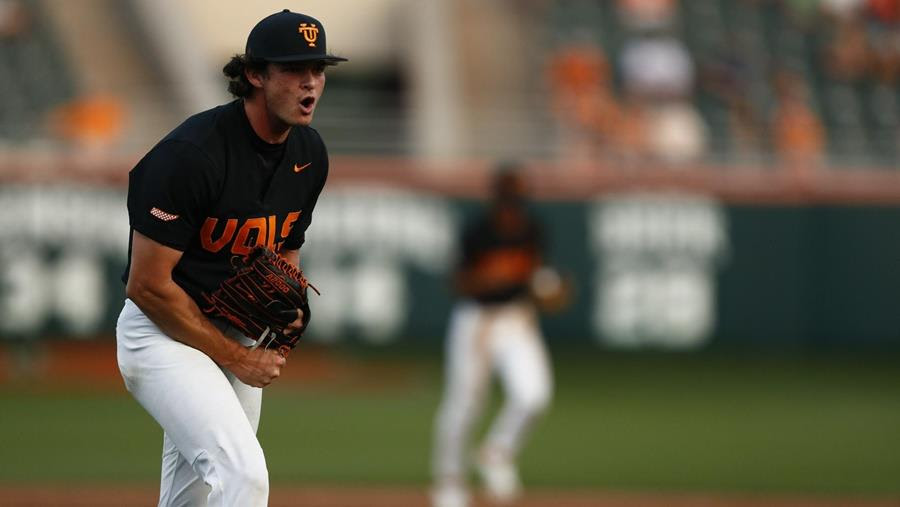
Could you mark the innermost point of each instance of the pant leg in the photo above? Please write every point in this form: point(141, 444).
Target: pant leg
point(466, 376)
point(522, 365)
point(201, 408)
point(180, 485)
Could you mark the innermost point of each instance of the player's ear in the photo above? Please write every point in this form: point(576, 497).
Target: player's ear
point(255, 76)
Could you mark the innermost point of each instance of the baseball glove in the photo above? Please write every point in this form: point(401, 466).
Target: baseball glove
point(262, 298)
point(550, 290)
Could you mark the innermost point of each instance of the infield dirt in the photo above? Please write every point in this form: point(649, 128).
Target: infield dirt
point(314, 496)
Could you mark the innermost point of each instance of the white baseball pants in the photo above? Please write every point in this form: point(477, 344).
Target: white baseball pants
point(210, 452)
point(482, 339)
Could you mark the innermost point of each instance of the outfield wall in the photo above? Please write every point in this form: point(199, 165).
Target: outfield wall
point(655, 263)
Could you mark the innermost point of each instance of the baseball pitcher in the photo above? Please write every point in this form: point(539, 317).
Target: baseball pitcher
point(215, 300)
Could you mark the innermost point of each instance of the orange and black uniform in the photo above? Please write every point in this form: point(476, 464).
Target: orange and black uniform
point(492, 250)
point(213, 189)
point(493, 330)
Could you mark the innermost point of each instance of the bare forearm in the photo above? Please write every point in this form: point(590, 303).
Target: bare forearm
point(151, 288)
point(177, 315)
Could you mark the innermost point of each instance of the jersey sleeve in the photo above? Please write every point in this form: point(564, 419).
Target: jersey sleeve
point(298, 234)
point(169, 192)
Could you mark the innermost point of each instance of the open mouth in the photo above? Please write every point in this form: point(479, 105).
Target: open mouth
point(307, 104)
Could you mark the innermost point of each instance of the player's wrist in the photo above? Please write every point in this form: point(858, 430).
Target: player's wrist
point(229, 355)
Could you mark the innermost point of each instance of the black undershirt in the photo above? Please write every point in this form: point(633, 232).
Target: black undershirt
point(269, 155)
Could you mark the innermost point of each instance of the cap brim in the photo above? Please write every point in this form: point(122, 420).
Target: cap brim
point(306, 58)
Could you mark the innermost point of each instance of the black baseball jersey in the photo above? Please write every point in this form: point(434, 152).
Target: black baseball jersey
point(213, 190)
point(487, 246)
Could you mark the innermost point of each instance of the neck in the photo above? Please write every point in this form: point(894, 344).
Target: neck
point(269, 128)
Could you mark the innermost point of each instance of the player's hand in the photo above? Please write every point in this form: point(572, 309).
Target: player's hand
point(296, 325)
point(257, 367)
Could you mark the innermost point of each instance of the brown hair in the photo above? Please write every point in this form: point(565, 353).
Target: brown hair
point(235, 71)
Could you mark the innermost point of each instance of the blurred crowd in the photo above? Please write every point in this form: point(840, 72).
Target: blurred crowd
point(14, 19)
point(800, 83)
point(755, 81)
point(41, 97)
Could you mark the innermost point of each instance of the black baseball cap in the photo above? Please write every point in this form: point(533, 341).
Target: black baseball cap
point(289, 37)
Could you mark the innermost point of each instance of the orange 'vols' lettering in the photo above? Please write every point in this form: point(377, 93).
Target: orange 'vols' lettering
point(289, 224)
point(259, 224)
point(206, 233)
point(264, 228)
point(270, 242)
point(510, 264)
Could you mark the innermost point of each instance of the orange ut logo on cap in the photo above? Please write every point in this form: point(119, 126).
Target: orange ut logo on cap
point(310, 33)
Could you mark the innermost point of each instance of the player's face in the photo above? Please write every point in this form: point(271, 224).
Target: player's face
point(292, 91)
point(509, 189)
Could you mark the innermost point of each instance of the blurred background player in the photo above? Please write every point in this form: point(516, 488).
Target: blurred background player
point(493, 329)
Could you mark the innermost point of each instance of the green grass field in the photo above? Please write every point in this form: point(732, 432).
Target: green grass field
point(828, 425)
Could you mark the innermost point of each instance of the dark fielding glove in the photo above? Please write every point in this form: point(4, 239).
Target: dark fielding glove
point(262, 298)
